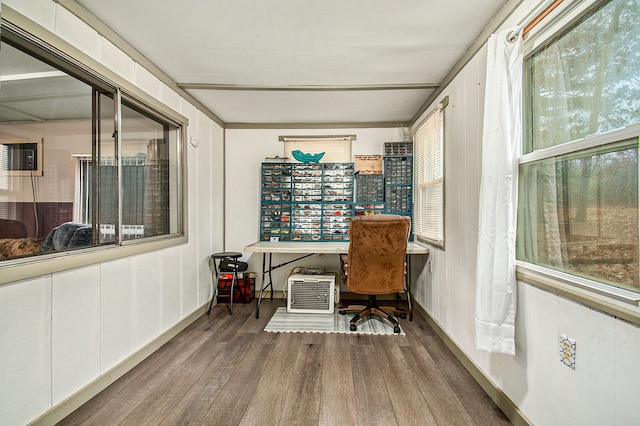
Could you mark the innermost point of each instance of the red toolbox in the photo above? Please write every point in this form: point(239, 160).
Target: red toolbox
point(243, 289)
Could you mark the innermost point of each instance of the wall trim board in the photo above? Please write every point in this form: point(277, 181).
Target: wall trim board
point(308, 88)
point(507, 406)
point(578, 296)
point(61, 410)
point(47, 264)
point(345, 125)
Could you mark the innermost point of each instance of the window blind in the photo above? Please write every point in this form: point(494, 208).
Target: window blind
point(336, 149)
point(429, 178)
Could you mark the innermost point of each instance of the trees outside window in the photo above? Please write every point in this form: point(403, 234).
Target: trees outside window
point(578, 206)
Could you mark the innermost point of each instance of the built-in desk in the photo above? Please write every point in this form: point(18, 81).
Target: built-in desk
point(306, 249)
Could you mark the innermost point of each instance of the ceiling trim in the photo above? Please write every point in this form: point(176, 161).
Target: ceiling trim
point(105, 31)
point(365, 125)
point(309, 88)
point(491, 27)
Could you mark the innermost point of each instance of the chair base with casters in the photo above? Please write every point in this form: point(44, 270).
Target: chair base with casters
point(372, 308)
point(227, 263)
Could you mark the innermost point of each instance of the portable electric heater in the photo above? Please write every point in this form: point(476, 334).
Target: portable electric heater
point(311, 293)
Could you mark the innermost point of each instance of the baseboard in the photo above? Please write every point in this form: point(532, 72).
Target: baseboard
point(507, 406)
point(73, 402)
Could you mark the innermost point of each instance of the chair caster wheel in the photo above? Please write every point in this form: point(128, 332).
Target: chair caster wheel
point(396, 329)
point(353, 327)
point(403, 316)
point(341, 312)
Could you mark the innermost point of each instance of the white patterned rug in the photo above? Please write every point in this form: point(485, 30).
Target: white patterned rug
point(294, 322)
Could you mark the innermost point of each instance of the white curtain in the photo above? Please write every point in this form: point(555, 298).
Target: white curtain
point(501, 146)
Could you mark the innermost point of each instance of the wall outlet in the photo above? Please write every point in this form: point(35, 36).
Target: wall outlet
point(568, 351)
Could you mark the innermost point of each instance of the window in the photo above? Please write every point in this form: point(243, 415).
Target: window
point(83, 164)
point(578, 202)
point(428, 221)
point(337, 149)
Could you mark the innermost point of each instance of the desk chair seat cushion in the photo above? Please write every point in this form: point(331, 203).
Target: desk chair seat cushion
point(377, 254)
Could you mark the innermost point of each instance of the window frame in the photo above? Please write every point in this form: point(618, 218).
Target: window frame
point(420, 228)
point(314, 144)
point(593, 141)
point(590, 292)
point(43, 44)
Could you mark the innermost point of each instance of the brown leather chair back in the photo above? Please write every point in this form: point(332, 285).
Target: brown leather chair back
point(377, 249)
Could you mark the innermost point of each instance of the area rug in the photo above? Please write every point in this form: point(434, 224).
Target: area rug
point(294, 322)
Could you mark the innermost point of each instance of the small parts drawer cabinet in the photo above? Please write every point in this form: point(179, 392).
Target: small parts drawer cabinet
point(306, 201)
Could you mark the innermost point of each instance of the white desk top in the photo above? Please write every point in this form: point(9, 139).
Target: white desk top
point(318, 247)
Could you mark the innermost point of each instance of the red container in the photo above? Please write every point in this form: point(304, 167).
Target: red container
point(242, 290)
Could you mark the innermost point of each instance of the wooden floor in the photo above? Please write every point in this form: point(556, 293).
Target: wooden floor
point(225, 370)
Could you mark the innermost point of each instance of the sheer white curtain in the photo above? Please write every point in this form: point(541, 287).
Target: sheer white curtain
point(501, 146)
point(541, 240)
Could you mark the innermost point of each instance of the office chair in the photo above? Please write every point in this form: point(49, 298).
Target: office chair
point(375, 264)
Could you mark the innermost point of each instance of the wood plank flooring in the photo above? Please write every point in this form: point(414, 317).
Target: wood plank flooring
point(225, 370)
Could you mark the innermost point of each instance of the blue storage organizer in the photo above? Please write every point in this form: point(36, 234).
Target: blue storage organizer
point(306, 201)
point(315, 201)
point(398, 178)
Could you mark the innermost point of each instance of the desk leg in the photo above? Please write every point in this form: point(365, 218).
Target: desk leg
point(265, 269)
point(270, 277)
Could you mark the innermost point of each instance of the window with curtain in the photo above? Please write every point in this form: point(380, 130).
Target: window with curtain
point(428, 141)
point(337, 149)
point(133, 189)
point(578, 196)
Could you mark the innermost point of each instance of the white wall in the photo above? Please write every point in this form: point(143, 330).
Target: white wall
point(61, 331)
point(601, 390)
point(245, 150)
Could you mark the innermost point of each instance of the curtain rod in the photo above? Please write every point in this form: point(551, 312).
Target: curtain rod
point(533, 18)
point(316, 137)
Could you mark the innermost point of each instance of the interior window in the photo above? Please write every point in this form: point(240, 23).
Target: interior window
point(40, 103)
point(67, 181)
point(578, 202)
point(150, 180)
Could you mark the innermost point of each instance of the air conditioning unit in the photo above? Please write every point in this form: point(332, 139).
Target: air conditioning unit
point(311, 293)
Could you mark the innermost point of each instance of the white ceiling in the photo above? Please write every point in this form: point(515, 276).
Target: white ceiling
point(301, 61)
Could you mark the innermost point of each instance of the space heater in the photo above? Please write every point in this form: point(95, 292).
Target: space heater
point(312, 293)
